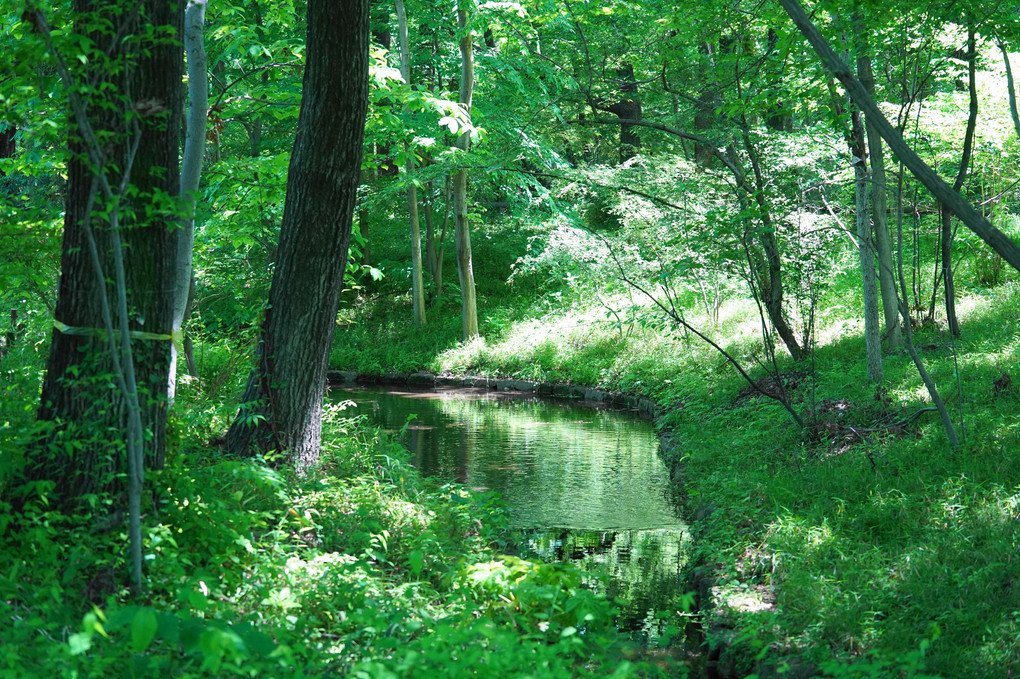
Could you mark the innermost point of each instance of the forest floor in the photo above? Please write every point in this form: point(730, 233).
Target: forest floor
point(859, 545)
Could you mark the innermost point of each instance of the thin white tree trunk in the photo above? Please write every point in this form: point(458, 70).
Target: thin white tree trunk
point(462, 233)
point(417, 283)
point(879, 205)
point(191, 174)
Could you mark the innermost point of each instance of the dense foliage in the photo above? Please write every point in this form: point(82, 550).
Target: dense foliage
point(665, 199)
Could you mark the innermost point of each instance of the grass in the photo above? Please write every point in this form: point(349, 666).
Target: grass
point(886, 555)
point(359, 568)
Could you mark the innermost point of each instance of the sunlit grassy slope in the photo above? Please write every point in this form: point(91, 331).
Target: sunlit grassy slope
point(863, 538)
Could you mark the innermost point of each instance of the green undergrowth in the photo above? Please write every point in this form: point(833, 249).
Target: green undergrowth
point(359, 568)
point(859, 546)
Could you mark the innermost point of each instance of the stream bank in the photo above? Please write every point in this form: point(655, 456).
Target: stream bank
point(711, 626)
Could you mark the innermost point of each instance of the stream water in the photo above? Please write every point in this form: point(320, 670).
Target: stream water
point(581, 484)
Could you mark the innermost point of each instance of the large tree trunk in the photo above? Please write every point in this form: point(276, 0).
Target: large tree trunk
point(281, 408)
point(462, 227)
point(628, 109)
point(78, 453)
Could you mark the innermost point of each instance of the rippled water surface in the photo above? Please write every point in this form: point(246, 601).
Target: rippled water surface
point(581, 484)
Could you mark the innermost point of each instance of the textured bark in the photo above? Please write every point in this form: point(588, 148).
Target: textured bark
point(996, 240)
point(78, 452)
point(462, 227)
point(705, 117)
point(627, 109)
point(281, 408)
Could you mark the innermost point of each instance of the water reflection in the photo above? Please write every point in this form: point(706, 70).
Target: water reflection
point(581, 485)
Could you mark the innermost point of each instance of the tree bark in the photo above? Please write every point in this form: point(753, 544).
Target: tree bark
point(862, 191)
point(281, 409)
point(462, 227)
point(946, 215)
point(1010, 88)
point(627, 110)
point(879, 204)
point(77, 453)
point(772, 276)
point(191, 174)
point(7, 145)
point(417, 281)
point(998, 241)
point(908, 339)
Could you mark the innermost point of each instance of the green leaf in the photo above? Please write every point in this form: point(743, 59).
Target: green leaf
point(143, 629)
point(80, 643)
point(416, 560)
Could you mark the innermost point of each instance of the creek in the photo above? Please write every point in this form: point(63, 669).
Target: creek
point(581, 484)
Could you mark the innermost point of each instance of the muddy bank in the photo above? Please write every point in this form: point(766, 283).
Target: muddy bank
point(642, 405)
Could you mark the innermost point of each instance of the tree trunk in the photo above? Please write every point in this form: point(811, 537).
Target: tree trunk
point(7, 145)
point(961, 176)
point(879, 206)
point(1010, 89)
point(281, 408)
point(79, 454)
point(191, 174)
point(772, 276)
point(628, 109)
point(862, 190)
point(996, 240)
point(462, 227)
point(908, 340)
point(417, 282)
point(434, 243)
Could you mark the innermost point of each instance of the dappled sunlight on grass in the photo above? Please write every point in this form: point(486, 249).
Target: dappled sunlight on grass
point(846, 549)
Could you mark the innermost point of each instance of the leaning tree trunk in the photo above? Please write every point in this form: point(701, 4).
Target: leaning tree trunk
point(78, 453)
point(1010, 87)
point(772, 276)
point(972, 219)
point(961, 176)
point(281, 408)
point(462, 227)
